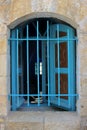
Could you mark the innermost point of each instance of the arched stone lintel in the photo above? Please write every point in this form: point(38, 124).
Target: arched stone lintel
point(42, 15)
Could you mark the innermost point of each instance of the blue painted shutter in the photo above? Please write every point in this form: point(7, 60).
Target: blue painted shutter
point(61, 75)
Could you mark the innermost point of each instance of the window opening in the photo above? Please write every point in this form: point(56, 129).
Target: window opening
point(43, 65)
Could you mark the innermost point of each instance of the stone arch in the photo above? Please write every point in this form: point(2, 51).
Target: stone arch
point(42, 15)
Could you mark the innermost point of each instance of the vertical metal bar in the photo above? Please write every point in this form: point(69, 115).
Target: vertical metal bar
point(21, 63)
point(22, 69)
point(44, 69)
point(38, 62)
point(48, 61)
point(14, 70)
point(58, 65)
point(69, 77)
point(28, 66)
point(17, 69)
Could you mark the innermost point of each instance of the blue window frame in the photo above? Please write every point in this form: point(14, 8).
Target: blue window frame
point(47, 47)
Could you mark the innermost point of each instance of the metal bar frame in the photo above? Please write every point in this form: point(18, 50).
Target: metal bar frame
point(48, 62)
point(58, 65)
point(28, 86)
point(17, 69)
point(42, 39)
point(47, 39)
point(38, 63)
point(69, 75)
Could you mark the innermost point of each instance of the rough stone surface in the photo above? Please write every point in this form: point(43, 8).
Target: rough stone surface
point(43, 121)
point(3, 67)
point(3, 105)
point(13, 12)
point(44, 5)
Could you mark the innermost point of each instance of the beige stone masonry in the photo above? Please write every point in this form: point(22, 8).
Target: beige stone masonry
point(83, 106)
point(74, 12)
point(4, 11)
point(3, 105)
point(73, 9)
point(3, 45)
point(43, 121)
point(3, 29)
point(83, 85)
point(19, 8)
point(3, 65)
point(3, 83)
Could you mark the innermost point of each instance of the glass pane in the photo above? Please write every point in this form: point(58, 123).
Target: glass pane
point(20, 67)
point(63, 55)
point(64, 85)
point(56, 55)
point(33, 29)
point(56, 83)
point(32, 65)
point(62, 34)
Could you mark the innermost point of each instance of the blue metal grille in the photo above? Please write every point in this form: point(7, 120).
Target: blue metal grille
point(53, 45)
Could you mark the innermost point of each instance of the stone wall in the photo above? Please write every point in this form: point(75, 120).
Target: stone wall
point(13, 12)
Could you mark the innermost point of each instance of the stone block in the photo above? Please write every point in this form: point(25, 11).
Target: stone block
point(82, 53)
point(43, 121)
point(83, 16)
point(62, 122)
point(3, 45)
point(24, 126)
point(1, 120)
point(3, 29)
point(3, 105)
point(83, 106)
point(83, 85)
point(3, 86)
point(44, 6)
point(82, 43)
point(3, 65)
point(17, 9)
point(83, 65)
point(4, 13)
point(83, 9)
point(25, 121)
point(4, 2)
point(62, 6)
point(83, 128)
point(73, 10)
point(2, 127)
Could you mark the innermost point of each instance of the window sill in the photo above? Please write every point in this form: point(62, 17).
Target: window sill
point(62, 119)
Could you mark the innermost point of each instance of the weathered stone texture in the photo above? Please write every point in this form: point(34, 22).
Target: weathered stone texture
point(4, 2)
point(3, 29)
point(2, 127)
point(3, 65)
point(83, 88)
point(75, 11)
point(24, 126)
point(83, 105)
point(2, 123)
point(3, 45)
point(3, 105)
point(43, 121)
point(62, 6)
point(60, 123)
point(18, 8)
point(4, 11)
point(83, 25)
point(44, 5)
point(3, 88)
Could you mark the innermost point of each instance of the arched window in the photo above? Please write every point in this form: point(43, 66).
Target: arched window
point(43, 55)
